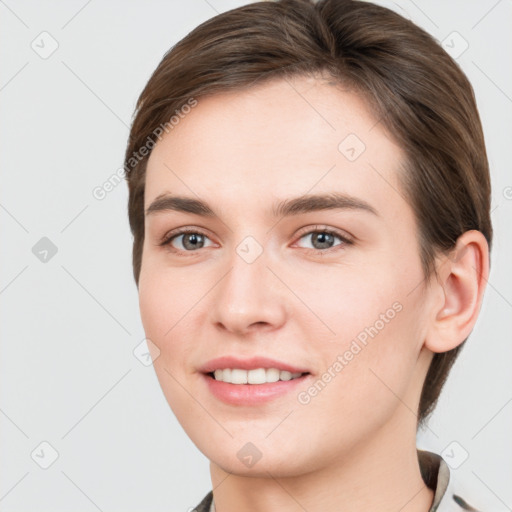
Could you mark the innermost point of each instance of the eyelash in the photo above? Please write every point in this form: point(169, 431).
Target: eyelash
point(166, 242)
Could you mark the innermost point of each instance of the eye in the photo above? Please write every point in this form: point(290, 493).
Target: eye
point(324, 239)
point(190, 240)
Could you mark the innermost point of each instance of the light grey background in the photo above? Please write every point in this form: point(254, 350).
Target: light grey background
point(69, 325)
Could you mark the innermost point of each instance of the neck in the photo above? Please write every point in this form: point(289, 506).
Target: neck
point(381, 474)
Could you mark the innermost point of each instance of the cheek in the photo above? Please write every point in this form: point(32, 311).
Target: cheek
point(364, 379)
point(162, 314)
point(170, 305)
point(162, 294)
point(371, 341)
point(347, 300)
point(158, 309)
point(152, 305)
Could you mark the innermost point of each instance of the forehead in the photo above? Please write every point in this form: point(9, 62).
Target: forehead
point(279, 139)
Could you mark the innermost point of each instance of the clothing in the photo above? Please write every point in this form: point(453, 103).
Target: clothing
point(435, 473)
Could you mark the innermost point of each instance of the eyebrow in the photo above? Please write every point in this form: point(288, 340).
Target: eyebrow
point(294, 206)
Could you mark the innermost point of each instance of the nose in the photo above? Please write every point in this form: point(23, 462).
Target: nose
point(249, 298)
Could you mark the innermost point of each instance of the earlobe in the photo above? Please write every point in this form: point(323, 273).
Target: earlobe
point(462, 277)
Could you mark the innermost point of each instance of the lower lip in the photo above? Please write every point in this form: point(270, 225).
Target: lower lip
point(251, 394)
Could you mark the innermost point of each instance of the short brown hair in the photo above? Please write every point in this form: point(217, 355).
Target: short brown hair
point(415, 89)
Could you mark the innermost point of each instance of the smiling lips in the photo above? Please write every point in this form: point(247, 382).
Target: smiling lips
point(250, 381)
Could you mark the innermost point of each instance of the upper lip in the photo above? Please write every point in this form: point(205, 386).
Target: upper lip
point(252, 363)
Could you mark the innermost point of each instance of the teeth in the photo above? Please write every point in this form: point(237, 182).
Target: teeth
point(272, 375)
point(285, 376)
point(256, 376)
point(238, 376)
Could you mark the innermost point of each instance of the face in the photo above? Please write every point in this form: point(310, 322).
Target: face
point(332, 290)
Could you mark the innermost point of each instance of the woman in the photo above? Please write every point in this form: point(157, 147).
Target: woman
point(309, 199)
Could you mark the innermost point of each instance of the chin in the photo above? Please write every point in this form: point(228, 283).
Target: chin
point(246, 459)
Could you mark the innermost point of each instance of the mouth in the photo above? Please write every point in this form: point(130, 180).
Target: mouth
point(253, 381)
point(238, 387)
point(257, 376)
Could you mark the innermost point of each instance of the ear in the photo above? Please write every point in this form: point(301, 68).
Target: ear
point(460, 285)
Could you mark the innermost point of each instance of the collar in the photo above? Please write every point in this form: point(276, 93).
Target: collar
point(436, 475)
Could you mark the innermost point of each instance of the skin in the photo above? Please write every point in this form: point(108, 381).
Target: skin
point(354, 444)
